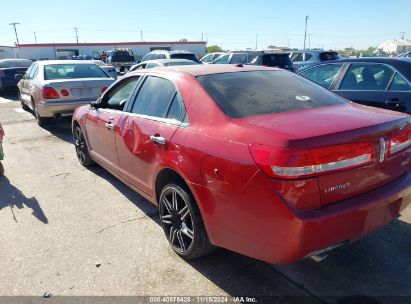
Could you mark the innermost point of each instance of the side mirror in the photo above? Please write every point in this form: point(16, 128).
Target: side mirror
point(96, 103)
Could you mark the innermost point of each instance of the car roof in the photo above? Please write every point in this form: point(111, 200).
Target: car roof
point(47, 62)
point(208, 69)
point(164, 61)
point(389, 60)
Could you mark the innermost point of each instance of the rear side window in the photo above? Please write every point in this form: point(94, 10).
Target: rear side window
point(238, 58)
point(367, 77)
point(154, 97)
point(222, 60)
point(245, 94)
point(297, 57)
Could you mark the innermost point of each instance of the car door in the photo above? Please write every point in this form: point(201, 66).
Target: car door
point(26, 85)
point(101, 123)
point(399, 94)
point(366, 83)
point(146, 131)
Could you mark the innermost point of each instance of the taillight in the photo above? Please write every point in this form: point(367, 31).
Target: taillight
point(103, 90)
point(297, 163)
point(2, 74)
point(50, 93)
point(399, 141)
point(65, 92)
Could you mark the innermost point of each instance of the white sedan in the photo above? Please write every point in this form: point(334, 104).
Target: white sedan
point(54, 88)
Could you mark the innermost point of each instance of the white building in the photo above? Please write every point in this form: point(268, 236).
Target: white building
point(7, 52)
point(395, 46)
point(53, 50)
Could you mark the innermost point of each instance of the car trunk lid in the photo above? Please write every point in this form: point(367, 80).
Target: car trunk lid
point(80, 88)
point(336, 126)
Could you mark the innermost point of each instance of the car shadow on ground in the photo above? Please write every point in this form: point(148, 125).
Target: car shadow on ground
point(10, 94)
point(11, 197)
point(377, 266)
point(61, 128)
point(357, 273)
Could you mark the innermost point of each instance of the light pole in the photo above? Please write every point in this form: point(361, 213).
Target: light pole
point(309, 41)
point(13, 24)
point(76, 30)
point(35, 37)
point(305, 33)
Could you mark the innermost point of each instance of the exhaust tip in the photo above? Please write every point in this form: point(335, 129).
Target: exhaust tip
point(319, 257)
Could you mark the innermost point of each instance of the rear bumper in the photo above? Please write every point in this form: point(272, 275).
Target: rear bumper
point(54, 108)
point(262, 226)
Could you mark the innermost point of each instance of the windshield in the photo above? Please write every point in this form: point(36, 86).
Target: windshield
point(188, 56)
point(277, 60)
point(253, 93)
point(180, 63)
point(72, 71)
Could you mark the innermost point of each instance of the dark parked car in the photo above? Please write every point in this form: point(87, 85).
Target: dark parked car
point(271, 58)
point(9, 69)
point(256, 160)
point(161, 54)
point(304, 59)
point(379, 82)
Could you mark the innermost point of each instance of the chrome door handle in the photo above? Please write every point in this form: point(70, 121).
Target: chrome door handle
point(158, 140)
point(109, 125)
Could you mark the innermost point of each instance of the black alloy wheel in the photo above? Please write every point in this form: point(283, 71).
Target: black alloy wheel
point(182, 223)
point(81, 147)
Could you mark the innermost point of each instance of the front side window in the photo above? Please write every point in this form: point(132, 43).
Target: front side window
point(324, 75)
point(368, 77)
point(72, 71)
point(154, 97)
point(223, 59)
point(399, 84)
point(245, 94)
point(208, 58)
point(120, 94)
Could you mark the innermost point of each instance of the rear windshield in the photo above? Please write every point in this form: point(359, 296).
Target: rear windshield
point(187, 56)
point(329, 56)
point(72, 71)
point(280, 60)
point(15, 63)
point(180, 63)
point(245, 94)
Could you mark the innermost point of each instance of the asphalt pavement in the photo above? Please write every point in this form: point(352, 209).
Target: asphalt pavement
point(71, 231)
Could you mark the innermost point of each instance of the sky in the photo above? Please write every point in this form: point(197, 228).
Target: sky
point(230, 24)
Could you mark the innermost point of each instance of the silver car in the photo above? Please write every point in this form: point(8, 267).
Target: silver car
point(109, 69)
point(55, 88)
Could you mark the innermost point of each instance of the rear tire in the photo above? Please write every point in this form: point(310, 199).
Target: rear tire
point(41, 121)
point(182, 222)
point(80, 144)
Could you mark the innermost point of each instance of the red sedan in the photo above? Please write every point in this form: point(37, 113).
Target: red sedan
point(256, 160)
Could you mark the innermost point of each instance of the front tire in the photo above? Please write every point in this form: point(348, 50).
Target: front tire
point(80, 144)
point(182, 222)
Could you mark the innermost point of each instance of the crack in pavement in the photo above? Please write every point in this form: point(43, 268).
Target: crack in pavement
point(149, 215)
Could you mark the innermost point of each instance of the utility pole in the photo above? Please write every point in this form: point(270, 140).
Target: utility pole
point(402, 35)
point(76, 30)
point(202, 37)
point(309, 41)
point(17, 37)
point(305, 33)
point(141, 34)
point(256, 41)
point(35, 37)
